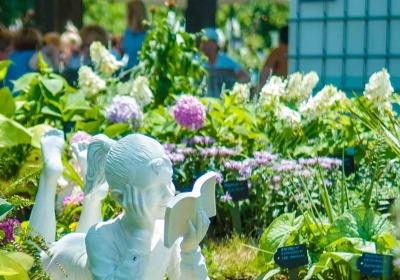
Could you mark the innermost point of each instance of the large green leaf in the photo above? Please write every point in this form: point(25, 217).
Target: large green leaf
point(7, 103)
point(116, 129)
point(14, 265)
point(3, 68)
point(53, 85)
point(282, 231)
point(12, 133)
point(357, 223)
point(23, 259)
point(328, 258)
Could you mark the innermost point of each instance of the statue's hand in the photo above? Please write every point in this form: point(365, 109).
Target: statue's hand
point(196, 233)
point(138, 214)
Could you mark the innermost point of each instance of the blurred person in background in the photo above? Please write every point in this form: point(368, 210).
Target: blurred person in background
point(95, 33)
point(6, 43)
point(27, 43)
point(51, 49)
point(135, 33)
point(70, 46)
point(277, 61)
point(220, 60)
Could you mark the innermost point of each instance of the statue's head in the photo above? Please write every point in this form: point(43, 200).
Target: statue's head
point(135, 161)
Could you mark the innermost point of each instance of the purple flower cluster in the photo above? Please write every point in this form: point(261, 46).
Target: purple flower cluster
point(124, 109)
point(217, 151)
point(243, 167)
point(8, 227)
point(200, 140)
point(261, 158)
point(287, 165)
point(76, 199)
point(324, 162)
point(189, 112)
point(80, 136)
point(226, 197)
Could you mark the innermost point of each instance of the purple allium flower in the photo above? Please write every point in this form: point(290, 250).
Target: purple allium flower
point(80, 136)
point(226, 197)
point(189, 112)
point(124, 109)
point(8, 227)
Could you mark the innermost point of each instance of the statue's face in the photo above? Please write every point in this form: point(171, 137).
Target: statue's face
point(160, 191)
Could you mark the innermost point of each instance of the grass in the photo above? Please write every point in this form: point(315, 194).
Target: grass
point(227, 258)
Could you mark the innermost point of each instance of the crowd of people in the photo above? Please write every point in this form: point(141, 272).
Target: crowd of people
point(67, 52)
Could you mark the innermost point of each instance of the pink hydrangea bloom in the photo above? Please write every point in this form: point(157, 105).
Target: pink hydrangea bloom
point(189, 112)
point(80, 136)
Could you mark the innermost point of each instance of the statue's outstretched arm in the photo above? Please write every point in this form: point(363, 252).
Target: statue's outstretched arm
point(43, 219)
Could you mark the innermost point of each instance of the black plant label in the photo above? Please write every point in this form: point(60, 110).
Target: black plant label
point(238, 190)
point(375, 265)
point(291, 256)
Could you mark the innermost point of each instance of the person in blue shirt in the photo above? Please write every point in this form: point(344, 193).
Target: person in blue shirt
point(135, 33)
point(27, 42)
point(219, 60)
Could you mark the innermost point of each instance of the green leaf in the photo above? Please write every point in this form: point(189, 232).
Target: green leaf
point(53, 85)
point(47, 111)
point(3, 68)
point(357, 223)
point(90, 127)
point(24, 82)
point(23, 259)
point(43, 66)
point(36, 132)
point(7, 103)
point(5, 207)
point(12, 133)
point(116, 129)
point(326, 259)
point(282, 231)
point(72, 174)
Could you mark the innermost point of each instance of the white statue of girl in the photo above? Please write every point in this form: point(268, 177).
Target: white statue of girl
point(131, 246)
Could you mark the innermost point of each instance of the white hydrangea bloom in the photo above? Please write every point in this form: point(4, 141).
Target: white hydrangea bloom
point(293, 86)
point(318, 105)
point(286, 114)
point(103, 60)
point(241, 91)
point(141, 91)
point(272, 91)
point(89, 81)
point(308, 84)
point(379, 90)
point(300, 87)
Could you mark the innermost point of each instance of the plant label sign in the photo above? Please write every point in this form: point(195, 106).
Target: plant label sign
point(238, 190)
point(375, 265)
point(291, 256)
